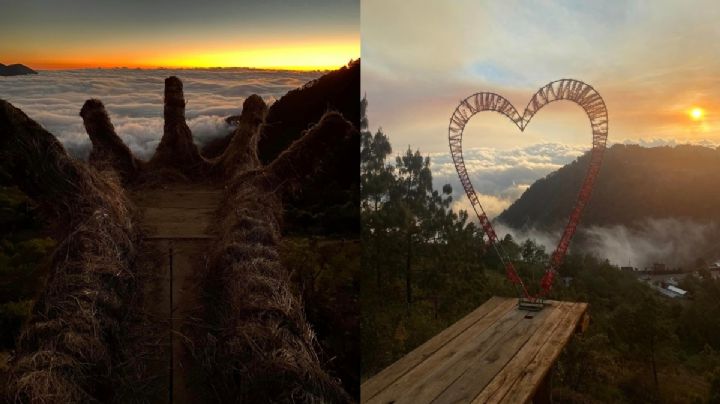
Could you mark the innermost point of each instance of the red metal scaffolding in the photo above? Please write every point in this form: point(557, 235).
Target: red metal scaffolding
point(565, 89)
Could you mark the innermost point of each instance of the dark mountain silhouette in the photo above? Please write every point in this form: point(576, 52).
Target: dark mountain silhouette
point(330, 198)
point(634, 183)
point(293, 113)
point(300, 108)
point(15, 70)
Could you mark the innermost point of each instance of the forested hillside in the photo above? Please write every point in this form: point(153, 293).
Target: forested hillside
point(634, 183)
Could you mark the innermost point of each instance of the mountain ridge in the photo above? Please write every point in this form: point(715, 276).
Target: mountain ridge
point(15, 70)
point(634, 183)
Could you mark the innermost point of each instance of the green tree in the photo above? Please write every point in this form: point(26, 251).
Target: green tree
point(419, 210)
point(376, 176)
point(376, 180)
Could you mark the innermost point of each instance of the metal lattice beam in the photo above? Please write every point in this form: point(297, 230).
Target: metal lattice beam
point(576, 91)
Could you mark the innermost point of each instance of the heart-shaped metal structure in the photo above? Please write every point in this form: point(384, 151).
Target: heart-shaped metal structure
point(576, 91)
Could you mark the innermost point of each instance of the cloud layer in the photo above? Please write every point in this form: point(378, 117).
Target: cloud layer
point(500, 176)
point(672, 241)
point(134, 100)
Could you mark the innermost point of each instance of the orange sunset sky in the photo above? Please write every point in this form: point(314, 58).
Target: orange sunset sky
point(303, 35)
point(656, 64)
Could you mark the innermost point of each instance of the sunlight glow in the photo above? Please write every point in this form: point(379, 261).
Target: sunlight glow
point(696, 113)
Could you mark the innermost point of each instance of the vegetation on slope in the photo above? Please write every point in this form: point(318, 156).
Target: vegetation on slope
point(24, 249)
point(634, 183)
point(329, 198)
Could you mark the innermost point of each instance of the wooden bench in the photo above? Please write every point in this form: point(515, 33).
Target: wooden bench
point(496, 354)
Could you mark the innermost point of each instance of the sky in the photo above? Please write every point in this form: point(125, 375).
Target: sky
point(653, 62)
point(297, 34)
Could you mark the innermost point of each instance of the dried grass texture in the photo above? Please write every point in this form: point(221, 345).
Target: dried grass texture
point(253, 343)
point(108, 150)
point(241, 153)
point(177, 149)
point(258, 346)
point(140, 371)
point(65, 351)
point(44, 172)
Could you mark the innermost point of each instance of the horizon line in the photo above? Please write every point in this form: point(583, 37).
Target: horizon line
point(295, 68)
point(298, 68)
point(288, 68)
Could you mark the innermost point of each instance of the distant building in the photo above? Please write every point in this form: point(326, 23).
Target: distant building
point(671, 291)
point(677, 290)
point(714, 270)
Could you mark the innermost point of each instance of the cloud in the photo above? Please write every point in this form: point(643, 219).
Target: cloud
point(207, 127)
point(658, 142)
point(671, 241)
point(134, 100)
point(547, 239)
point(651, 61)
point(675, 242)
point(500, 176)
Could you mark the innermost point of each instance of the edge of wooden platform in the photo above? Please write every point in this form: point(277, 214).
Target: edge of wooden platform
point(504, 385)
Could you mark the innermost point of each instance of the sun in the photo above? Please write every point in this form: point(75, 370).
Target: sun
point(696, 113)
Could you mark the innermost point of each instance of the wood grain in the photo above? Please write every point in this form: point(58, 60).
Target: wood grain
point(494, 354)
point(494, 306)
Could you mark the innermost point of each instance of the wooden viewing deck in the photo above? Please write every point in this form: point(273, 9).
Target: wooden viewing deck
point(496, 354)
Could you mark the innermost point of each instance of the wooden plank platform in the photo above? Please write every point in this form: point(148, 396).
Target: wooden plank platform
point(496, 354)
point(177, 224)
point(178, 212)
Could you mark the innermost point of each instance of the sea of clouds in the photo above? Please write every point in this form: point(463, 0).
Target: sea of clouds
point(500, 176)
point(134, 100)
